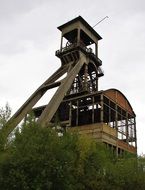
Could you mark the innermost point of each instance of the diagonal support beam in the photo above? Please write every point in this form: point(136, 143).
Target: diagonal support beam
point(62, 70)
point(54, 103)
point(33, 99)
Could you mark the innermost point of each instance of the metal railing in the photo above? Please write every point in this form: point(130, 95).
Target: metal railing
point(78, 45)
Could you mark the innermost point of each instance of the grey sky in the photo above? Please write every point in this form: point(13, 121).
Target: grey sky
point(29, 39)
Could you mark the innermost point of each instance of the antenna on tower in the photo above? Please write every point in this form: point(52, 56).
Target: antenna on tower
point(100, 21)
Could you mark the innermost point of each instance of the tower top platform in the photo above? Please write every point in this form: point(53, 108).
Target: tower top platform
point(88, 34)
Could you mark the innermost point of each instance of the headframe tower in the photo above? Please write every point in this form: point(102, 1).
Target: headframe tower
point(105, 115)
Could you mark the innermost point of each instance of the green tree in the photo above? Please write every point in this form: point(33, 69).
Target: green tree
point(5, 113)
point(38, 159)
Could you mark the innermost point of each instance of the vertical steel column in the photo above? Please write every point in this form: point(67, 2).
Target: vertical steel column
point(97, 84)
point(135, 132)
point(96, 52)
point(102, 110)
point(70, 113)
point(77, 115)
point(86, 77)
point(116, 128)
point(109, 113)
point(116, 118)
point(93, 109)
point(126, 132)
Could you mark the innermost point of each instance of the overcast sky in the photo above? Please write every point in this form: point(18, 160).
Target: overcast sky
point(29, 39)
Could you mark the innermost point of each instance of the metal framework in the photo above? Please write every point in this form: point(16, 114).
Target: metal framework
point(106, 115)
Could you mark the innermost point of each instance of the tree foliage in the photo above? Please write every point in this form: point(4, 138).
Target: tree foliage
point(5, 114)
point(38, 159)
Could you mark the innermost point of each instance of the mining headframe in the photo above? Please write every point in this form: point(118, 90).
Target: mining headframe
point(105, 115)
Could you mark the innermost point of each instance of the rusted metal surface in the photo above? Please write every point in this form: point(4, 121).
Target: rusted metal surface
point(119, 98)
